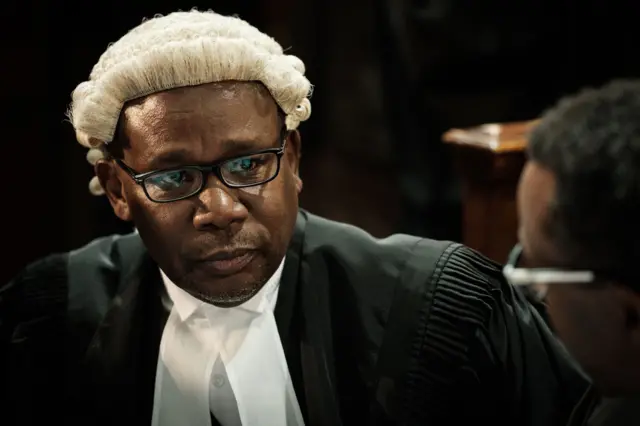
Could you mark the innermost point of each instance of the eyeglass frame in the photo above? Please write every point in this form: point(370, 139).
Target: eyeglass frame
point(139, 178)
point(524, 277)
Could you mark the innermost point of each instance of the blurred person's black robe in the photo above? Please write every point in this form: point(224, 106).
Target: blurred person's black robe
point(402, 330)
point(594, 410)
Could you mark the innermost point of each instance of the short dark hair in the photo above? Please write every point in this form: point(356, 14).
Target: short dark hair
point(591, 143)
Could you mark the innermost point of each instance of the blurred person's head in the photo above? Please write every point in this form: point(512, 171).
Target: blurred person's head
point(191, 120)
point(579, 210)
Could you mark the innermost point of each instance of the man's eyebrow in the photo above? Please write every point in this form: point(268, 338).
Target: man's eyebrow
point(168, 159)
point(182, 157)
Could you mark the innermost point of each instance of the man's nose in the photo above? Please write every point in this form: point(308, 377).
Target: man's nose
point(219, 206)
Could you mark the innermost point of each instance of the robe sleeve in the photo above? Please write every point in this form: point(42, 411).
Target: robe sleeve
point(623, 411)
point(484, 353)
point(32, 342)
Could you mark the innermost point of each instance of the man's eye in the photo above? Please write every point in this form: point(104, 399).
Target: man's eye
point(169, 180)
point(245, 164)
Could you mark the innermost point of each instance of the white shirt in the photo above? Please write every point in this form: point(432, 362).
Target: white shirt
point(227, 361)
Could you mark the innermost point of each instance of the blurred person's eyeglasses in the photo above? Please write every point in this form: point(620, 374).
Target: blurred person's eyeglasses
point(167, 185)
point(538, 280)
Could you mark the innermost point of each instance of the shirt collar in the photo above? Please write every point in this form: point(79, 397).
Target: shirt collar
point(186, 305)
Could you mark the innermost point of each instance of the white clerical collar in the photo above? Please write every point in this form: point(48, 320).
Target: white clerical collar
point(186, 305)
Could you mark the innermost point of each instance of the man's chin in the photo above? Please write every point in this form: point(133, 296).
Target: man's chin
point(226, 291)
point(227, 299)
point(229, 290)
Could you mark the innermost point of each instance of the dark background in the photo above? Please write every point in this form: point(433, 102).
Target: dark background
point(390, 77)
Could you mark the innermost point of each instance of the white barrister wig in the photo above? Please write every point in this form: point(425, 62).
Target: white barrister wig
point(177, 50)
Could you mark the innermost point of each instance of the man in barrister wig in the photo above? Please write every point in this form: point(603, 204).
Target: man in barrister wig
point(229, 304)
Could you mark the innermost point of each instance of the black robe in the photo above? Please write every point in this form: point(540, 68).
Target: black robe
point(594, 410)
point(401, 330)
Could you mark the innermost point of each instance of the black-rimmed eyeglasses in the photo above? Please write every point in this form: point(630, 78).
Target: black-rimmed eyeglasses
point(167, 185)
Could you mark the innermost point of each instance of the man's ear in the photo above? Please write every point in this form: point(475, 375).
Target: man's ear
point(113, 188)
point(631, 300)
point(294, 150)
point(293, 154)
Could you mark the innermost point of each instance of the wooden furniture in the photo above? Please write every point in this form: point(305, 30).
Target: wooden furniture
point(489, 160)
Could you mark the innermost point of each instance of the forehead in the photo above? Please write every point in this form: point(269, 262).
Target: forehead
point(200, 118)
point(536, 191)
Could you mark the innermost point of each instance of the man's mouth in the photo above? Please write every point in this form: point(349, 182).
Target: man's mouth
point(229, 262)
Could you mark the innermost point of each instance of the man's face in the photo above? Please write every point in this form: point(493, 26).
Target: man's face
point(592, 321)
point(222, 244)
